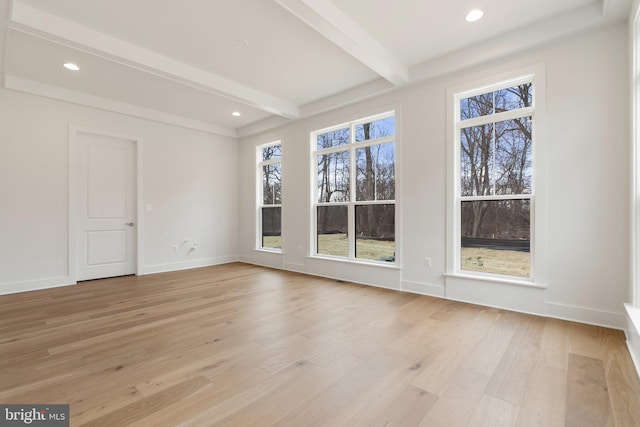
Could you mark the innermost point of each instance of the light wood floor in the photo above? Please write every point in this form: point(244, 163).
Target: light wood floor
point(241, 345)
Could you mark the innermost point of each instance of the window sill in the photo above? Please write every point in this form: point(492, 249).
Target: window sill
point(269, 251)
point(506, 281)
point(380, 264)
point(634, 314)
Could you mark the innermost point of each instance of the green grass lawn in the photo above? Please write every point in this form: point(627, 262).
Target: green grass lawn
point(338, 245)
point(272, 242)
point(513, 263)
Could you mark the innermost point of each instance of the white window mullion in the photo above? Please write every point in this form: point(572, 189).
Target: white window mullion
point(494, 146)
point(353, 167)
point(499, 117)
point(498, 197)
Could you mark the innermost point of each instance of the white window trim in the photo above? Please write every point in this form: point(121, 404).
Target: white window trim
point(352, 147)
point(634, 273)
point(259, 196)
point(535, 74)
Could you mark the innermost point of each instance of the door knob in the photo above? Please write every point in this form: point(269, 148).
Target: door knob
point(130, 224)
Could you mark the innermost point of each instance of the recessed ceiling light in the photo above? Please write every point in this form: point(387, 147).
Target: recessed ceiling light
point(70, 66)
point(474, 15)
point(236, 114)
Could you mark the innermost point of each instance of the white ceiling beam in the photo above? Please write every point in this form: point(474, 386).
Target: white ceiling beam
point(34, 21)
point(324, 17)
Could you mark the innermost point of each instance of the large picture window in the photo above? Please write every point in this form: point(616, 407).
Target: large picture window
point(354, 189)
point(269, 174)
point(494, 181)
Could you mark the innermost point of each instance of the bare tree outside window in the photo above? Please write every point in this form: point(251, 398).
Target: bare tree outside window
point(496, 176)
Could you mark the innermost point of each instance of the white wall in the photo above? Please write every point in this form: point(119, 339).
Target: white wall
point(587, 179)
point(189, 177)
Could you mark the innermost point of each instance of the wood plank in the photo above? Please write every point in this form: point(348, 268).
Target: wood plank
point(291, 396)
point(334, 403)
point(447, 360)
point(545, 400)
point(554, 344)
point(623, 385)
point(587, 393)
point(457, 403)
point(511, 377)
point(142, 407)
point(409, 407)
point(492, 412)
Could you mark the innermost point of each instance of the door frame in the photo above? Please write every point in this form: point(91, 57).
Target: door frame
point(74, 207)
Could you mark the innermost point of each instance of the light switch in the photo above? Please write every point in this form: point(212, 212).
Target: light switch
point(149, 207)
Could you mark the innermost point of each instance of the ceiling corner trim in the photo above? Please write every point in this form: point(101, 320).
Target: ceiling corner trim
point(42, 24)
point(324, 17)
point(54, 92)
point(356, 94)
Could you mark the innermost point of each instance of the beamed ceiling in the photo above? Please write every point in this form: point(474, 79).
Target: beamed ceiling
point(194, 62)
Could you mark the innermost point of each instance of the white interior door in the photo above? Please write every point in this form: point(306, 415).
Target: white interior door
point(107, 201)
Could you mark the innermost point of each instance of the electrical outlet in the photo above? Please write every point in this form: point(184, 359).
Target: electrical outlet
point(427, 262)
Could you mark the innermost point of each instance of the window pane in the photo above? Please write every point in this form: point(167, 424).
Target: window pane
point(271, 152)
point(334, 138)
point(499, 101)
point(376, 129)
point(271, 228)
point(376, 174)
point(272, 184)
point(476, 106)
point(476, 160)
point(332, 230)
point(375, 232)
point(513, 171)
point(496, 237)
point(514, 97)
point(333, 177)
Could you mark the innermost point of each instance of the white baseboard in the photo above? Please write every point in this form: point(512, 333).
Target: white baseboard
point(35, 285)
point(633, 345)
point(422, 288)
point(246, 258)
point(590, 316)
point(633, 334)
point(298, 268)
point(186, 265)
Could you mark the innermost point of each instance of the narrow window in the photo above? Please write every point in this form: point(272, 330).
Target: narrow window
point(494, 184)
point(269, 174)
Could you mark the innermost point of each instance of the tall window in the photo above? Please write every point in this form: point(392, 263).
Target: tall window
point(494, 179)
point(354, 189)
point(270, 196)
